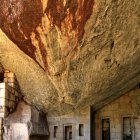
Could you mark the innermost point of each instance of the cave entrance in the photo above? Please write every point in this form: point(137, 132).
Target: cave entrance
point(38, 137)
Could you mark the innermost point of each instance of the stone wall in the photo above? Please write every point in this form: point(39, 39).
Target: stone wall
point(127, 106)
point(11, 80)
point(72, 120)
point(10, 94)
point(18, 120)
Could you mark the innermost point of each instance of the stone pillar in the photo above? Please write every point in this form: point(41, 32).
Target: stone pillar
point(26, 123)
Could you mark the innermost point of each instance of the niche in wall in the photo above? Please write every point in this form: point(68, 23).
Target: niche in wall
point(81, 129)
point(55, 131)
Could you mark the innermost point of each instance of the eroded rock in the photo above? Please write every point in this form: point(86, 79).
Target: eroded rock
point(71, 54)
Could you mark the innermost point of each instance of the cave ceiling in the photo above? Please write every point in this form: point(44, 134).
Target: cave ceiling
point(69, 54)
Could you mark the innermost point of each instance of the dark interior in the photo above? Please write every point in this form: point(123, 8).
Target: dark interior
point(36, 137)
point(1, 77)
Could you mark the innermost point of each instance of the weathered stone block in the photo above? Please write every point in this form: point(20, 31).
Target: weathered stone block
point(1, 127)
point(5, 80)
point(11, 84)
point(9, 74)
point(1, 131)
point(5, 74)
point(3, 102)
point(4, 94)
point(12, 104)
point(9, 88)
point(12, 90)
point(2, 85)
point(4, 113)
point(1, 137)
point(3, 109)
point(12, 97)
point(17, 99)
point(10, 80)
point(1, 121)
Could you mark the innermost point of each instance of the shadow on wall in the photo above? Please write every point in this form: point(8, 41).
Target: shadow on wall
point(1, 73)
point(1, 77)
point(35, 137)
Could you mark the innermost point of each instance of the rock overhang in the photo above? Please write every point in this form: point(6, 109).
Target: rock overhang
point(66, 58)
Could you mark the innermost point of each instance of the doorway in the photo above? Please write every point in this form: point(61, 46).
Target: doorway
point(127, 128)
point(105, 129)
point(68, 132)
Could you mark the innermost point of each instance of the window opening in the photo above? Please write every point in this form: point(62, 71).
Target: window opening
point(55, 131)
point(81, 130)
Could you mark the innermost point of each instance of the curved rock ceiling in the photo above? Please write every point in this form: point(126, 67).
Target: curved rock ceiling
point(68, 54)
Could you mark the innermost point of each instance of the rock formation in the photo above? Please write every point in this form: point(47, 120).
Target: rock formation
point(69, 54)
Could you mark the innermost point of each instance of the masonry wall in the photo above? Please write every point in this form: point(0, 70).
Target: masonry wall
point(18, 120)
point(10, 95)
point(73, 119)
point(126, 106)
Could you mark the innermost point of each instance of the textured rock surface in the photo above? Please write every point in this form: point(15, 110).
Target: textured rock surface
point(69, 54)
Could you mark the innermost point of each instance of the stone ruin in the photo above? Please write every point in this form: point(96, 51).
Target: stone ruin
point(18, 120)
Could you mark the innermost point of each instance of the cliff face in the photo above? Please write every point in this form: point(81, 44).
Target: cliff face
point(71, 53)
